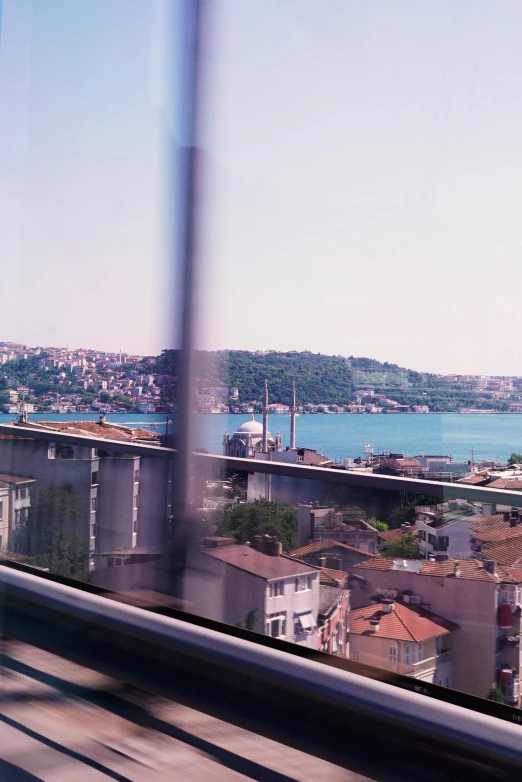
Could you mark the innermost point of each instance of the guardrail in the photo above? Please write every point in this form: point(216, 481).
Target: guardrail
point(365, 725)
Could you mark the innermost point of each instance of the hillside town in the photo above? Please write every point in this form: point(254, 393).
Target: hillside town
point(59, 380)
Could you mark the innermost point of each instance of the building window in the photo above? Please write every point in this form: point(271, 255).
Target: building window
point(354, 655)
point(412, 653)
point(136, 476)
point(276, 625)
point(422, 534)
point(303, 623)
point(431, 540)
point(135, 525)
point(94, 478)
point(17, 518)
point(302, 583)
point(276, 589)
point(51, 451)
point(94, 504)
point(393, 655)
point(1, 511)
point(136, 500)
point(93, 530)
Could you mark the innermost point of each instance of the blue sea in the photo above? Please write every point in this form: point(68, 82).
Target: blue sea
point(492, 436)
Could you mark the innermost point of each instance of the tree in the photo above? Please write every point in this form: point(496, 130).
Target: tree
point(515, 458)
point(380, 526)
point(405, 547)
point(245, 520)
point(495, 694)
point(47, 536)
point(406, 512)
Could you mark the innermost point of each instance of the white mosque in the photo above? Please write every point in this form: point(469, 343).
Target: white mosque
point(253, 437)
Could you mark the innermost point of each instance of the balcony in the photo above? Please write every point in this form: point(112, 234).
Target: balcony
point(426, 665)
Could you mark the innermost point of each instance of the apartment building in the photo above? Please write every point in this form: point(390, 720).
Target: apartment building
point(15, 510)
point(404, 639)
point(333, 620)
point(467, 592)
point(444, 530)
point(315, 523)
point(255, 587)
point(123, 499)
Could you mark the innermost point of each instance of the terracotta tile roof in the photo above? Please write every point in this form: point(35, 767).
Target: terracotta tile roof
point(331, 577)
point(262, 565)
point(494, 528)
point(505, 552)
point(106, 431)
point(392, 535)
point(5, 478)
point(473, 480)
point(470, 569)
point(506, 483)
point(324, 545)
point(403, 623)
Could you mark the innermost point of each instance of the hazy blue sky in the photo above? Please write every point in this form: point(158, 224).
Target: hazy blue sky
point(364, 177)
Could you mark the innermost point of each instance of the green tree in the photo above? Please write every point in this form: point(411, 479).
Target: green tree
point(495, 694)
point(380, 526)
point(515, 458)
point(48, 537)
point(405, 547)
point(261, 517)
point(406, 512)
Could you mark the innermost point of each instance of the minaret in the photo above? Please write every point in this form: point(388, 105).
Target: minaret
point(265, 419)
point(293, 410)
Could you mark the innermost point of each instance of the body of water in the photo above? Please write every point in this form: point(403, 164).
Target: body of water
point(492, 436)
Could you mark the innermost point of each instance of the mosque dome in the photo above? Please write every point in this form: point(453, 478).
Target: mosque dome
point(251, 427)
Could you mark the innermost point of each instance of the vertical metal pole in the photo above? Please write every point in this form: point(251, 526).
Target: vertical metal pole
point(186, 258)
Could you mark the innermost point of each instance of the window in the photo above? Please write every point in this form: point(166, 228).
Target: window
point(93, 530)
point(276, 625)
point(276, 589)
point(432, 540)
point(412, 653)
point(422, 534)
point(136, 500)
point(136, 476)
point(302, 583)
point(17, 518)
point(1, 511)
point(135, 525)
point(51, 451)
point(393, 655)
point(354, 655)
point(304, 623)
point(94, 504)
point(94, 478)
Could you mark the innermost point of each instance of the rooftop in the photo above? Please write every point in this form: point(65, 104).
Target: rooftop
point(100, 429)
point(403, 623)
point(326, 544)
point(494, 528)
point(467, 569)
point(262, 565)
point(7, 478)
point(328, 597)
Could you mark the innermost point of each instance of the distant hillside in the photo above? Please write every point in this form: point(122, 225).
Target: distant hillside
point(331, 379)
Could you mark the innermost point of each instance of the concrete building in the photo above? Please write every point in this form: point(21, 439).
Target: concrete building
point(123, 499)
point(316, 523)
point(444, 530)
point(404, 639)
point(16, 510)
point(468, 593)
point(334, 620)
point(264, 592)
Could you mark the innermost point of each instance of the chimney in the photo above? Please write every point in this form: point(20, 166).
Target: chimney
point(405, 527)
point(268, 544)
point(388, 605)
point(374, 625)
point(457, 570)
point(491, 566)
point(507, 516)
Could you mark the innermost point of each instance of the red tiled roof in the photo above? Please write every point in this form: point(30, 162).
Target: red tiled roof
point(506, 483)
point(106, 431)
point(391, 535)
point(473, 480)
point(504, 552)
point(469, 569)
point(494, 528)
point(5, 478)
point(403, 623)
point(323, 545)
point(336, 577)
point(262, 565)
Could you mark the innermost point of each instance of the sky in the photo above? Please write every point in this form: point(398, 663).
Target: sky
point(361, 190)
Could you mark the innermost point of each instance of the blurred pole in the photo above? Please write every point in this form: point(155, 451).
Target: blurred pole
point(185, 252)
